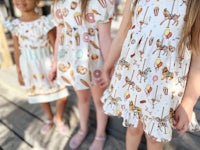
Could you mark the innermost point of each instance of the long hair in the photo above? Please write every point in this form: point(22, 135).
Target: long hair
point(84, 7)
point(191, 31)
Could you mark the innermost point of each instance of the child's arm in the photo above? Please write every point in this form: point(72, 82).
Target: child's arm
point(117, 43)
point(184, 112)
point(54, 36)
point(105, 38)
point(17, 54)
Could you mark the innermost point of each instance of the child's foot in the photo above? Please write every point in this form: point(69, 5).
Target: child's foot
point(61, 127)
point(48, 124)
point(98, 143)
point(77, 139)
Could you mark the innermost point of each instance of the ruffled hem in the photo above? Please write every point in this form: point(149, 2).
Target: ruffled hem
point(43, 98)
point(159, 129)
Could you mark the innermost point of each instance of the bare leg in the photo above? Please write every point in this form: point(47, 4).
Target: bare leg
point(133, 137)
point(49, 122)
point(60, 109)
point(99, 140)
point(101, 117)
point(47, 110)
point(153, 145)
point(59, 121)
point(84, 109)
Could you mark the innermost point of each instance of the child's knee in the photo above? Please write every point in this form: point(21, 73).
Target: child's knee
point(64, 99)
point(151, 140)
point(84, 99)
point(138, 131)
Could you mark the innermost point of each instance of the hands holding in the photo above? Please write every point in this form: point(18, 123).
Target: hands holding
point(105, 78)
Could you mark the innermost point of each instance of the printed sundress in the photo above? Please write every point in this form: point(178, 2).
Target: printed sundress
point(80, 58)
point(36, 59)
point(150, 78)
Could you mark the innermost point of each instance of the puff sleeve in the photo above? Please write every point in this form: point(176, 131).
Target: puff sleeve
point(104, 11)
point(47, 24)
point(12, 26)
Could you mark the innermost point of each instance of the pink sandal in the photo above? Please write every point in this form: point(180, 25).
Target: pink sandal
point(98, 143)
point(62, 128)
point(77, 139)
point(48, 125)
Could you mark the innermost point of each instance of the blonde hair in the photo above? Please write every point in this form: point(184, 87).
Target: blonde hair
point(191, 31)
point(84, 7)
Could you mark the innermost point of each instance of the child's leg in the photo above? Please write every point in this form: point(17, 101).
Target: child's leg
point(97, 92)
point(84, 109)
point(58, 119)
point(99, 140)
point(47, 110)
point(133, 137)
point(152, 144)
point(49, 122)
point(60, 109)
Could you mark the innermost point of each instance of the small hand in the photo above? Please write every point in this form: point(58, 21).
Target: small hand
point(21, 80)
point(52, 74)
point(182, 118)
point(104, 80)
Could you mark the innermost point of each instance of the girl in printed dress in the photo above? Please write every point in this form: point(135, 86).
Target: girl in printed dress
point(157, 52)
point(33, 37)
point(83, 37)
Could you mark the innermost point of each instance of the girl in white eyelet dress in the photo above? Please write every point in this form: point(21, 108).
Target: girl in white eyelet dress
point(83, 43)
point(149, 79)
point(33, 37)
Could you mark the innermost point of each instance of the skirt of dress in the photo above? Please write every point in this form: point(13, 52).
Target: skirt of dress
point(35, 67)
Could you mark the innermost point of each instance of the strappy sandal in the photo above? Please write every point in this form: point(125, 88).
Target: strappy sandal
point(77, 139)
point(48, 125)
point(98, 143)
point(62, 128)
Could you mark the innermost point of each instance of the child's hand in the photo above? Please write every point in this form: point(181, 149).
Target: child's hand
point(104, 80)
point(183, 117)
point(20, 79)
point(52, 74)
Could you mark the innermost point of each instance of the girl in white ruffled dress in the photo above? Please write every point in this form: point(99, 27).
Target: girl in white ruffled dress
point(33, 37)
point(157, 48)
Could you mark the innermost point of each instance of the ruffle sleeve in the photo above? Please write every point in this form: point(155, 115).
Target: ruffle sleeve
point(105, 11)
point(47, 24)
point(11, 26)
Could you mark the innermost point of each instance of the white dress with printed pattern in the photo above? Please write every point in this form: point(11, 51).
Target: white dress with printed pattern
point(149, 78)
point(36, 59)
point(79, 53)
